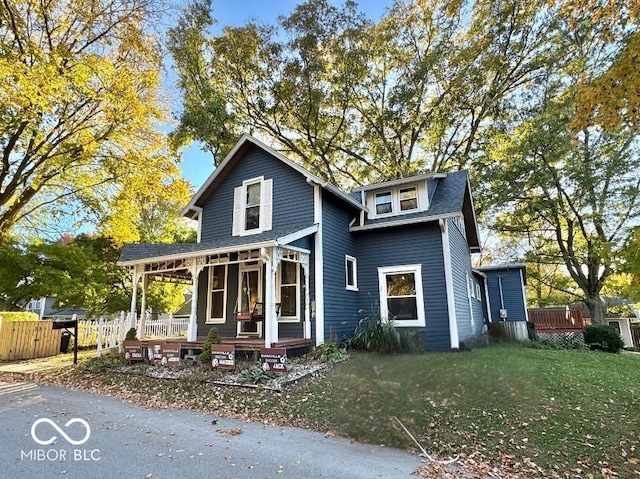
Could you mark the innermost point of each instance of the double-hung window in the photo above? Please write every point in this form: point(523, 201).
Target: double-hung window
point(252, 206)
point(397, 200)
point(217, 293)
point(401, 296)
point(289, 296)
point(384, 203)
point(408, 198)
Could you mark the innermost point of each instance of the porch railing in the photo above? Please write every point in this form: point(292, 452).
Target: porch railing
point(171, 327)
point(107, 333)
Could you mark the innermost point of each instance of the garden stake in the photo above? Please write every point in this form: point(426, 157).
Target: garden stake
point(450, 461)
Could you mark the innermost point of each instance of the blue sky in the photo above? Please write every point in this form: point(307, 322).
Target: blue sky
point(197, 165)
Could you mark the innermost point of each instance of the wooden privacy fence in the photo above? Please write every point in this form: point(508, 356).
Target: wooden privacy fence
point(28, 339)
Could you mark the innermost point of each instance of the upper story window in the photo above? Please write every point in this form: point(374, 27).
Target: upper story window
point(252, 206)
point(383, 203)
point(408, 198)
point(398, 200)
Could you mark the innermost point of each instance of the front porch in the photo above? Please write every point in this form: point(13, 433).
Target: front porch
point(256, 297)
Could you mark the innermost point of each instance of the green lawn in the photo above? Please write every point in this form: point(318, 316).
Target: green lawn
point(568, 410)
point(573, 413)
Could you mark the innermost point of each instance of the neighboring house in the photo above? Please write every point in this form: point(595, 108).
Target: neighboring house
point(41, 306)
point(284, 254)
point(45, 309)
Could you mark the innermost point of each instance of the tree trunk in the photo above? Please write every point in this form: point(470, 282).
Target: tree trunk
point(596, 308)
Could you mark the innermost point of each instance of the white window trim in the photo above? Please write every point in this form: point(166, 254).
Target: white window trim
point(240, 207)
point(354, 286)
point(395, 201)
point(288, 319)
point(209, 319)
point(416, 269)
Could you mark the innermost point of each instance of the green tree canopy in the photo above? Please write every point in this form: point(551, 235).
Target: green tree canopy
point(356, 101)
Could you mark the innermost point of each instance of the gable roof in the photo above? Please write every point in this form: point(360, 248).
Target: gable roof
point(244, 143)
point(451, 198)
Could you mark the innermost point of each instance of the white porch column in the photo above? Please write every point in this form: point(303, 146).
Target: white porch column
point(271, 257)
point(143, 307)
point(195, 266)
point(136, 272)
point(307, 297)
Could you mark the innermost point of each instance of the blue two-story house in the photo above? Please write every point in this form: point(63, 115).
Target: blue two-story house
point(283, 255)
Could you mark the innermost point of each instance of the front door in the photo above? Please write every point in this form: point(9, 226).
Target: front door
point(249, 293)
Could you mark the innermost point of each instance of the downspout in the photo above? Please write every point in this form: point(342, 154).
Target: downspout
point(488, 303)
point(501, 297)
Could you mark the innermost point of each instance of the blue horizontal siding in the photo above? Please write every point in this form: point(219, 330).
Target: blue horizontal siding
point(415, 244)
point(340, 304)
point(292, 195)
point(512, 293)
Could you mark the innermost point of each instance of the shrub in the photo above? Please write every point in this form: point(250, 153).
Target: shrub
point(212, 338)
point(603, 337)
point(375, 334)
point(13, 316)
point(328, 353)
point(131, 335)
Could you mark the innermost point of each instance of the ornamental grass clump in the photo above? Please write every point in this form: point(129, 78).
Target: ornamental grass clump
point(376, 334)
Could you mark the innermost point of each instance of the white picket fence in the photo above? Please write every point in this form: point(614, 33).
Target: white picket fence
point(171, 327)
point(105, 333)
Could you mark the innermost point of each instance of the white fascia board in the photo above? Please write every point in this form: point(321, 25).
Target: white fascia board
point(402, 181)
point(205, 186)
point(473, 212)
point(404, 222)
point(493, 267)
point(284, 240)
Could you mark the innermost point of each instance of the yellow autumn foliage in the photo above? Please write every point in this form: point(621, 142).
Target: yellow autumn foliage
point(80, 102)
